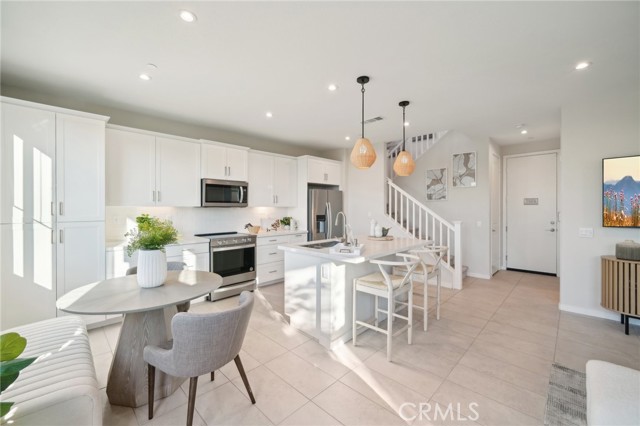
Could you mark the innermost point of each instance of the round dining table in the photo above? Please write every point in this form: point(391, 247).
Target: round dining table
point(147, 321)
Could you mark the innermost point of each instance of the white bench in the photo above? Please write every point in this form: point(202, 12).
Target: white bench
point(613, 394)
point(60, 387)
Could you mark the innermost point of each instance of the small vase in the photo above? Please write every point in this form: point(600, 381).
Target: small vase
point(152, 268)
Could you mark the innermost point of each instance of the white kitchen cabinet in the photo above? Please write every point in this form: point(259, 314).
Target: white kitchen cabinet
point(131, 168)
point(223, 162)
point(80, 177)
point(271, 180)
point(52, 186)
point(145, 169)
point(322, 171)
point(270, 260)
point(177, 172)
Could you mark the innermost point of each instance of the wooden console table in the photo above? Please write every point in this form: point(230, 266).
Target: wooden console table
point(620, 290)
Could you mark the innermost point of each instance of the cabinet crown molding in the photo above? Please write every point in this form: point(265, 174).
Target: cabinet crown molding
point(55, 109)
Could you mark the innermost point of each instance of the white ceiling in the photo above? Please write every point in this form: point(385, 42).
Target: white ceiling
point(479, 67)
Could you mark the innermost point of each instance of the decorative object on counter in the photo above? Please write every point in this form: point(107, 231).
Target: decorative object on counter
point(628, 250)
point(378, 231)
point(464, 170)
point(385, 231)
point(363, 154)
point(294, 224)
point(404, 164)
point(150, 238)
point(372, 227)
point(436, 184)
point(251, 228)
point(387, 238)
point(275, 225)
point(286, 222)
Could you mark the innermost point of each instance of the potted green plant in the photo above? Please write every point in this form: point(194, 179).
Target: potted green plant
point(286, 222)
point(150, 238)
point(11, 346)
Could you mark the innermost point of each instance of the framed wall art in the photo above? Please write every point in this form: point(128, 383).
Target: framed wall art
point(464, 170)
point(621, 192)
point(436, 184)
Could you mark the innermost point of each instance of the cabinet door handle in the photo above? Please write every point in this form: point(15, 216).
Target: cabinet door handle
point(159, 198)
point(326, 177)
point(61, 236)
point(273, 253)
point(272, 272)
point(229, 171)
point(272, 241)
point(61, 208)
point(53, 237)
point(154, 196)
point(53, 209)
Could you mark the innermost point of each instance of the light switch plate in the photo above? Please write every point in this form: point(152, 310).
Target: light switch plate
point(585, 232)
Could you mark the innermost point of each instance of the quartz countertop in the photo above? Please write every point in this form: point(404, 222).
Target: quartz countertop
point(263, 234)
point(372, 249)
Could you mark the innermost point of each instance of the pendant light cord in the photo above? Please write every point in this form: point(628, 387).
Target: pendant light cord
point(403, 129)
point(362, 90)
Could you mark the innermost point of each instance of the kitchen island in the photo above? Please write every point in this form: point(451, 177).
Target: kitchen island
point(318, 285)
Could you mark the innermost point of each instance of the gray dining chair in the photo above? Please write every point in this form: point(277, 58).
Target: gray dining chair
point(202, 343)
point(171, 266)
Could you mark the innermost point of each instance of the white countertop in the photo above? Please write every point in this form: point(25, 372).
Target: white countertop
point(122, 244)
point(263, 234)
point(372, 249)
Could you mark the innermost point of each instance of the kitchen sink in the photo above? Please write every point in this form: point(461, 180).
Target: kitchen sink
point(322, 245)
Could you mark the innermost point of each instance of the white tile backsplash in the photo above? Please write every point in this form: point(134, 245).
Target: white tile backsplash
point(190, 220)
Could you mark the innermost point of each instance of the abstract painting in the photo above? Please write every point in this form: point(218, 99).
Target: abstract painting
point(436, 184)
point(464, 170)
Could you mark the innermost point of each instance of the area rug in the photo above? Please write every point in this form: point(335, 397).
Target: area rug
point(567, 398)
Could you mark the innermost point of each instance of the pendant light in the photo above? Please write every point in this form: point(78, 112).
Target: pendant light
point(404, 164)
point(363, 154)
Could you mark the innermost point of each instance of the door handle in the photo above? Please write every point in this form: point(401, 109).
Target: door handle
point(61, 237)
point(61, 208)
point(551, 230)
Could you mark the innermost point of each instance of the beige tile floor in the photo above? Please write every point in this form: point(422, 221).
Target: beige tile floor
point(493, 346)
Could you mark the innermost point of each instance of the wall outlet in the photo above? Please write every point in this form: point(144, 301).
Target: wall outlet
point(585, 232)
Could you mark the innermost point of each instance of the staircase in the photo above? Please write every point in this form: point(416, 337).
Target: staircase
point(415, 145)
point(421, 222)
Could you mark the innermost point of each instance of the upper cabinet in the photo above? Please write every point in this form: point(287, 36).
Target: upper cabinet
point(271, 180)
point(323, 171)
point(145, 169)
point(219, 161)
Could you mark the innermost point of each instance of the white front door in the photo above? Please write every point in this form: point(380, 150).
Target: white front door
point(531, 214)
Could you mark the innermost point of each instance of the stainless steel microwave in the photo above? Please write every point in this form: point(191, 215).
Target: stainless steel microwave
point(224, 193)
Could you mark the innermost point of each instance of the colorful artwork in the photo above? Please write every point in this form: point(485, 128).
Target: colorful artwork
point(464, 170)
point(621, 192)
point(436, 184)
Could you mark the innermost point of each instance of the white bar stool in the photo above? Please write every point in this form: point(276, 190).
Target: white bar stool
point(430, 260)
point(384, 284)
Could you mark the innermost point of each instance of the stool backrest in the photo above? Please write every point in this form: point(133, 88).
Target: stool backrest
point(431, 254)
point(411, 261)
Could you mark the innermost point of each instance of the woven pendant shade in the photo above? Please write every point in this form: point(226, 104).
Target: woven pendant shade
point(404, 164)
point(363, 154)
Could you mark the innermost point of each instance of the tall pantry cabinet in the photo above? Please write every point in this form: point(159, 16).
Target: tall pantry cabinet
point(52, 237)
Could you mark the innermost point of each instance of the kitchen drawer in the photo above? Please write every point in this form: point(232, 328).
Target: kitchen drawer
point(297, 238)
point(270, 272)
point(268, 254)
point(280, 239)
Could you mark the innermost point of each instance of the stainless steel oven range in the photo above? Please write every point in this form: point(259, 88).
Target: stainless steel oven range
point(233, 257)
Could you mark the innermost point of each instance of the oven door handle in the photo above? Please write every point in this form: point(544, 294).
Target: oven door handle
point(241, 194)
point(217, 249)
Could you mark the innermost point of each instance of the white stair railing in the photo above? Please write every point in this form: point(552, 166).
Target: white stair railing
point(421, 222)
point(415, 145)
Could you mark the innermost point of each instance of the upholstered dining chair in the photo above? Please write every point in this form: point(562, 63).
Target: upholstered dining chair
point(392, 287)
point(202, 343)
point(171, 266)
point(430, 261)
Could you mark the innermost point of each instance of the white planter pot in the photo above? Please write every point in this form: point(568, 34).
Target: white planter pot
point(152, 268)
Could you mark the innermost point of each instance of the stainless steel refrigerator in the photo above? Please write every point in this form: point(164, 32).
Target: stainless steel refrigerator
point(323, 206)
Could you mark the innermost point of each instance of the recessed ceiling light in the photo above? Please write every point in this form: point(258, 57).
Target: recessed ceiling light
point(145, 77)
point(332, 87)
point(187, 16)
point(347, 138)
point(523, 131)
point(583, 65)
point(269, 114)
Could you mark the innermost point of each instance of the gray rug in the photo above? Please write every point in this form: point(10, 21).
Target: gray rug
point(567, 398)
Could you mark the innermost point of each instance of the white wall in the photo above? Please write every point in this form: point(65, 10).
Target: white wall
point(469, 205)
point(531, 146)
point(190, 220)
point(599, 124)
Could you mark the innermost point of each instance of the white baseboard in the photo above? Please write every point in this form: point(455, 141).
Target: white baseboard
point(482, 276)
point(598, 313)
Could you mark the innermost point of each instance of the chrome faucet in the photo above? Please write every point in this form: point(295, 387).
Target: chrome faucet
point(347, 228)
